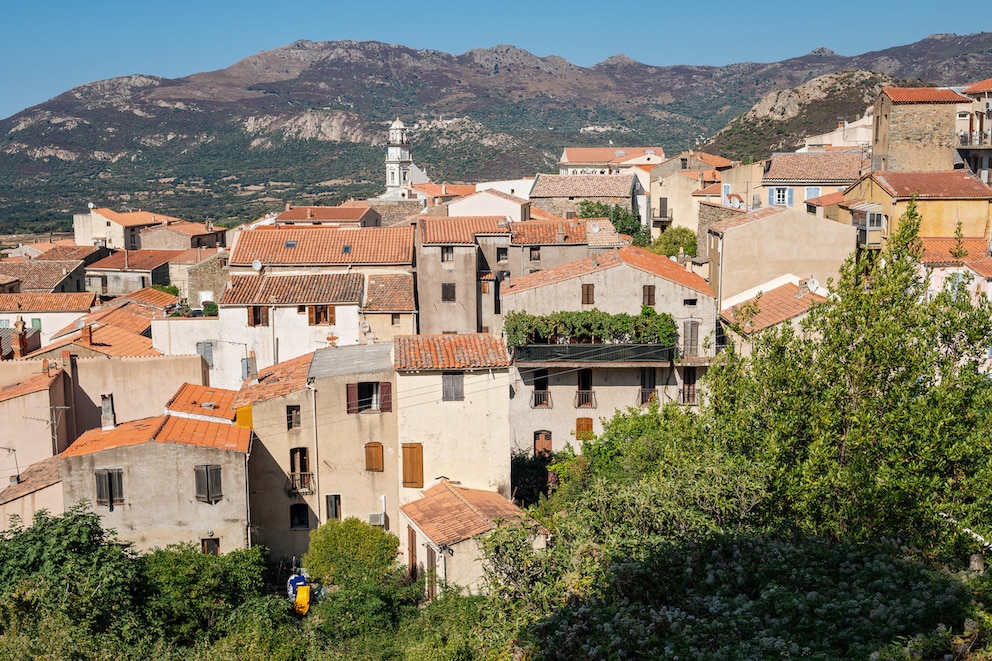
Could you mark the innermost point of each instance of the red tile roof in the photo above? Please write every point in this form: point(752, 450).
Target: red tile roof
point(444, 190)
point(722, 226)
point(194, 255)
point(183, 227)
point(127, 316)
point(38, 274)
point(537, 213)
point(153, 297)
point(775, 306)
point(442, 352)
point(135, 260)
point(108, 340)
point(826, 167)
point(607, 155)
point(979, 87)
point(458, 229)
point(67, 253)
point(638, 258)
point(390, 292)
point(948, 184)
point(220, 435)
point(28, 385)
point(937, 252)
point(923, 95)
point(712, 189)
point(827, 200)
point(325, 246)
point(449, 513)
point(36, 302)
point(294, 289)
point(276, 381)
point(583, 185)
point(537, 232)
point(37, 476)
point(44, 246)
point(341, 214)
point(134, 218)
point(193, 399)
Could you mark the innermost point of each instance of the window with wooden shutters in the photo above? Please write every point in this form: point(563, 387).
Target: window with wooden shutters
point(321, 315)
point(588, 294)
point(209, 486)
point(447, 253)
point(258, 315)
point(648, 295)
point(583, 429)
point(373, 457)
point(300, 477)
point(690, 338)
point(206, 349)
point(371, 396)
point(413, 465)
point(448, 291)
point(542, 443)
point(110, 487)
point(453, 386)
point(535, 253)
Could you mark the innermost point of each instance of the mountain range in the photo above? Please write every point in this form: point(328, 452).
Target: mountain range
point(306, 123)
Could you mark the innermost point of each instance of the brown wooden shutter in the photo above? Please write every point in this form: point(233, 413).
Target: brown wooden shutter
point(411, 552)
point(352, 398)
point(312, 315)
point(583, 429)
point(200, 480)
point(385, 396)
point(331, 315)
point(413, 465)
point(373, 457)
point(265, 316)
point(102, 488)
point(214, 483)
point(251, 315)
point(648, 295)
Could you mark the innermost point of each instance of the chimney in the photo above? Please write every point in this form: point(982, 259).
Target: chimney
point(288, 206)
point(87, 334)
point(803, 287)
point(108, 419)
point(45, 367)
point(19, 339)
point(560, 234)
point(309, 213)
point(444, 189)
point(15, 479)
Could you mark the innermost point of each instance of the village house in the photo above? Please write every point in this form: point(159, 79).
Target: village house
point(46, 276)
point(791, 179)
point(356, 216)
point(561, 194)
point(115, 230)
point(916, 129)
point(784, 300)
point(948, 261)
point(46, 313)
point(127, 271)
point(18, 340)
point(181, 235)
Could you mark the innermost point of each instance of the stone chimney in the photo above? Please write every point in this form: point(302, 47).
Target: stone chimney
point(803, 287)
point(86, 334)
point(19, 339)
point(560, 234)
point(108, 418)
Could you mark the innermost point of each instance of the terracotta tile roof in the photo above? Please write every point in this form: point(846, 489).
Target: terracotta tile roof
point(194, 255)
point(390, 292)
point(949, 184)
point(827, 200)
point(37, 476)
point(153, 297)
point(937, 252)
point(979, 87)
point(183, 227)
point(8, 279)
point(39, 275)
point(458, 229)
point(341, 214)
point(775, 306)
point(194, 399)
point(67, 253)
point(276, 381)
point(294, 289)
point(638, 258)
point(220, 435)
point(445, 190)
point(127, 316)
point(442, 352)
point(45, 246)
point(325, 246)
point(134, 218)
point(537, 213)
point(923, 95)
point(605, 155)
point(712, 160)
point(36, 302)
point(449, 513)
point(583, 185)
point(135, 260)
point(108, 340)
point(712, 189)
point(28, 385)
point(537, 232)
point(722, 226)
point(839, 168)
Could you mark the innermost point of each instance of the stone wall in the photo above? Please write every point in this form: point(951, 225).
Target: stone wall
point(208, 275)
point(396, 212)
point(708, 214)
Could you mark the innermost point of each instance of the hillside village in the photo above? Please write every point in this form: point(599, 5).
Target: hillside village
point(388, 358)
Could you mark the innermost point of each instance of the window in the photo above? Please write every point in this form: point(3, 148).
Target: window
point(687, 396)
point(447, 253)
point(782, 196)
point(299, 516)
point(373, 457)
point(648, 295)
point(583, 429)
point(291, 244)
point(413, 465)
point(334, 506)
point(370, 396)
point(684, 163)
point(542, 398)
point(206, 349)
point(584, 397)
point(300, 477)
point(502, 254)
point(4, 323)
point(588, 294)
point(453, 386)
point(395, 318)
point(448, 291)
point(210, 546)
point(321, 315)
point(689, 302)
point(649, 392)
point(208, 484)
point(36, 323)
point(542, 443)
point(535, 253)
point(258, 315)
point(876, 220)
point(293, 417)
point(110, 487)
point(690, 338)
point(811, 192)
point(301, 309)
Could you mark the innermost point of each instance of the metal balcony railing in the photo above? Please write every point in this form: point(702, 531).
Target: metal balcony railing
point(585, 399)
point(594, 353)
point(541, 399)
point(688, 397)
point(646, 396)
point(301, 483)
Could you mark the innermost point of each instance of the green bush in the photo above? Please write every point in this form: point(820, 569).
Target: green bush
point(350, 552)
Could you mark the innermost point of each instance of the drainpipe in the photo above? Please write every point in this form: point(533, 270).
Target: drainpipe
point(247, 499)
point(316, 449)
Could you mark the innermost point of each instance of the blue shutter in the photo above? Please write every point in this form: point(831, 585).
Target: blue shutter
point(788, 199)
point(771, 196)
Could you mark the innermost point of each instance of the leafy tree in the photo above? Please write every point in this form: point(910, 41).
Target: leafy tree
point(350, 552)
point(168, 289)
point(210, 309)
point(673, 240)
point(624, 220)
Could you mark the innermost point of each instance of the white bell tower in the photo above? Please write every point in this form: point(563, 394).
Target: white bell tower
point(398, 162)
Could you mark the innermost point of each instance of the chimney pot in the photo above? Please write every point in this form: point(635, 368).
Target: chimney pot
point(87, 334)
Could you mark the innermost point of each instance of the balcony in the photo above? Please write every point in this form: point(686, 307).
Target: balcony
point(594, 353)
point(647, 396)
point(870, 237)
point(687, 397)
point(585, 399)
point(974, 139)
point(541, 399)
point(301, 483)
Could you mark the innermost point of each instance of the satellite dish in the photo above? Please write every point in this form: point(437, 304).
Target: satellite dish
point(813, 285)
point(91, 205)
point(594, 228)
point(80, 323)
point(256, 264)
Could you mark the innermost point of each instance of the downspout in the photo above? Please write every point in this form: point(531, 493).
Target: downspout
point(247, 499)
point(316, 449)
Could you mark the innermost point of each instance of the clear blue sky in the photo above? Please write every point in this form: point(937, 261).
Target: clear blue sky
point(50, 46)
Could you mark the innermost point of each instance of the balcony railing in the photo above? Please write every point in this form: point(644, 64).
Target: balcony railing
point(301, 483)
point(646, 396)
point(594, 353)
point(688, 397)
point(585, 399)
point(541, 399)
point(974, 139)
